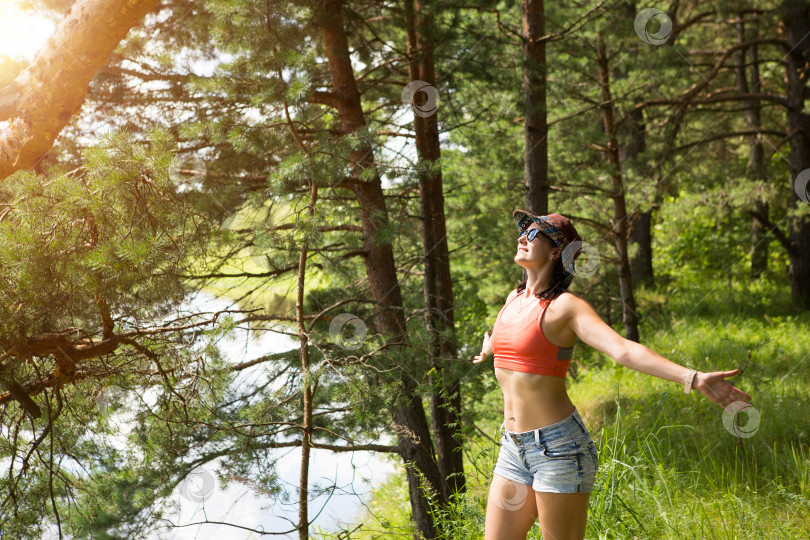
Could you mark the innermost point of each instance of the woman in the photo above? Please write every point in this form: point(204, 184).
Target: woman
point(547, 462)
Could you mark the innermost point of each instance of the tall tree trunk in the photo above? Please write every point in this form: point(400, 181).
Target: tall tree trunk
point(796, 21)
point(535, 169)
point(759, 241)
point(439, 316)
point(307, 384)
point(629, 315)
point(413, 435)
point(756, 161)
point(44, 97)
point(535, 121)
point(641, 269)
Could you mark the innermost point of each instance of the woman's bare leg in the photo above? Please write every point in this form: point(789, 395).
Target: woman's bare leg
point(511, 510)
point(562, 515)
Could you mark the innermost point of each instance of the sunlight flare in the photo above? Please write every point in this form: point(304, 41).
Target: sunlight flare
point(22, 33)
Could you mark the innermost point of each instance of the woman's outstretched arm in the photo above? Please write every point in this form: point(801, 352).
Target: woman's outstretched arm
point(591, 329)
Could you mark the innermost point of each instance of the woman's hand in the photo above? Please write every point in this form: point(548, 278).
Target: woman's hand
point(721, 392)
point(486, 350)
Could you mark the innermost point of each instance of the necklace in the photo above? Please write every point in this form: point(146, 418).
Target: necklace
point(521, 302)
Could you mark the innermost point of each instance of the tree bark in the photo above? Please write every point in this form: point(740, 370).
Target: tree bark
point(44, 97)
point(759, 241)
point(641, 268)
point(438, 285)
point(796, 22)
point(535, 171)
point(414, 442)
point(629, 315)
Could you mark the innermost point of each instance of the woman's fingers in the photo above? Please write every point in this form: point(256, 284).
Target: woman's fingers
point(736, 394)
point(725, 395)
point(742, 394)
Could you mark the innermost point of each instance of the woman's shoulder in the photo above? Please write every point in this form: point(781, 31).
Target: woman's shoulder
point(568, 302)
point(567, 296)
point(564, 301)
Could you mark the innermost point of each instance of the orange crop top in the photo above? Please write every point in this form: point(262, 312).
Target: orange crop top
point(519, 343)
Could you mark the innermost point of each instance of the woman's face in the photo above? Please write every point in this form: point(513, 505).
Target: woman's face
point(536, 253)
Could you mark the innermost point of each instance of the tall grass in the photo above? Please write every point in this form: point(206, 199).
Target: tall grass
point(669, 468)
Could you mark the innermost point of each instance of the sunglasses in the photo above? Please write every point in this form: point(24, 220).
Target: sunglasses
point(529, 234)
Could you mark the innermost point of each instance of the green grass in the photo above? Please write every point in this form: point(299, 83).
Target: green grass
point(668, 466)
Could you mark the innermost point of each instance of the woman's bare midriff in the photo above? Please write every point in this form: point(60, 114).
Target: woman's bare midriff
point(532, 401)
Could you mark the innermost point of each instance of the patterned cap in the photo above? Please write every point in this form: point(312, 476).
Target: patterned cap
point(559, 230)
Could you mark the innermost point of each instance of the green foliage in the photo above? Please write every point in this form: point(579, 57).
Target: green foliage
point(113, 229)
point(115, 236)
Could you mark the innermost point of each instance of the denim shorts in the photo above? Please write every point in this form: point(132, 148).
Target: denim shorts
point(558, 458)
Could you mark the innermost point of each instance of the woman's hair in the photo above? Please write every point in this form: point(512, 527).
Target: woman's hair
point(556, 288)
